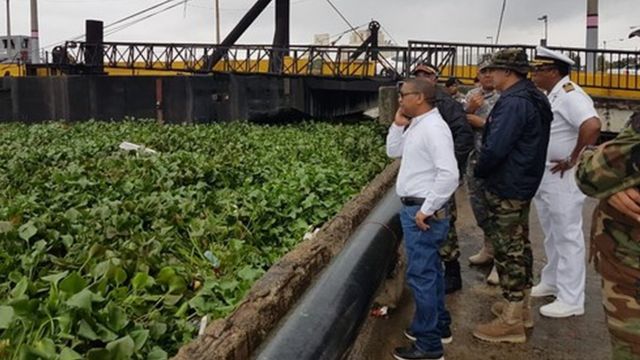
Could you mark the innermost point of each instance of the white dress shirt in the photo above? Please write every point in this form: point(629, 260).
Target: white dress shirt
point(428, 168)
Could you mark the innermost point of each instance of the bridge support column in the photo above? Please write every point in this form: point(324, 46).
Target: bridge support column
point(387, 104)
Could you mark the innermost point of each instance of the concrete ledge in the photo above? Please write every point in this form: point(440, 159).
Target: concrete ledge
point(238, 335)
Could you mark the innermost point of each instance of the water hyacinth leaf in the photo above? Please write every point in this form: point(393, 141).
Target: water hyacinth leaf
point(140, 338)
point(142, 281)
point(5, 227)
point(99, 354)
point(69, 354)
point(25, 307)
point(249, 273)
point(165, 275)
point(73, 284)
point(85, 331)
point(121, 349)
point(157, 354)
point(20, 289)
point(105, 334)
point(6, 316)
point(84, 299)
point(43, 349)
point(157, 329)
point(54, 279)
point(116, 318)
point(27, 231)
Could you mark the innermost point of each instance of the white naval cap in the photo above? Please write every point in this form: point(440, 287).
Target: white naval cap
point(545, 56)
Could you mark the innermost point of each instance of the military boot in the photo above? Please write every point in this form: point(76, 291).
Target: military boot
point(493, 278)
point(527, 315)
point(508, 327)
point(452, 277)
point(484, 256)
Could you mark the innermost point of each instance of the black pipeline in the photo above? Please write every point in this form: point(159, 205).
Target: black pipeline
point(326, 320)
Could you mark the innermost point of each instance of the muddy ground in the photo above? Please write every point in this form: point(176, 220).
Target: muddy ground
point(583, 337)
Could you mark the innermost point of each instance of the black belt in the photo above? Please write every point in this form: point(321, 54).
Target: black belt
point(411, 201)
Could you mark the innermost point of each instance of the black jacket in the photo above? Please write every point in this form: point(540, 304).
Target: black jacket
point(454, 115)
point(514, 143)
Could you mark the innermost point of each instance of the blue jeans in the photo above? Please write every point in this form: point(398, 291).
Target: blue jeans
point(425, 278)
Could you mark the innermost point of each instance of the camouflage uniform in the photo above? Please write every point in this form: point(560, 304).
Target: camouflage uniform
point(450, 250)
point(507, 227)
point(615, 238)
point(455, 116)
point(475, 185)
point(511, 163)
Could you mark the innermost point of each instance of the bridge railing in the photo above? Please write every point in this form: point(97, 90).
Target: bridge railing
point(604, 72)
point(598, 69)
point(334, 61)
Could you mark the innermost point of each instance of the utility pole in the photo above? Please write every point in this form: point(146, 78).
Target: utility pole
point(217, 21)
point(592, 34)
point(9, 41)
point(35, 37)
point(8, 19)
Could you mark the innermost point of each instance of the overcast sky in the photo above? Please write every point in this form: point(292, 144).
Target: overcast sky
point(442, 20)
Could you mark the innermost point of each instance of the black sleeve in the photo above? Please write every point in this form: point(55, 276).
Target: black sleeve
point(505, 130)
point(453, 113)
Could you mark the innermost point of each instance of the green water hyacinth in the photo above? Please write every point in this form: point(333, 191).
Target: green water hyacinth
point(114, 254)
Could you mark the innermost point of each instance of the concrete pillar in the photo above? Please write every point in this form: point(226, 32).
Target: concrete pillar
point(35, 33)
point(592, 34)
point(387, 103)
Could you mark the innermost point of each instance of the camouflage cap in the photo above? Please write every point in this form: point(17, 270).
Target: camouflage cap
point(484, 62)
point(515, 59)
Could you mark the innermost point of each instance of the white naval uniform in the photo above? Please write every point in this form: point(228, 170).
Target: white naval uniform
point(559, 201)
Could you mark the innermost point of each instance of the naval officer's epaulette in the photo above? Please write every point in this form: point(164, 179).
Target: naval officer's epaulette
point(568, 87)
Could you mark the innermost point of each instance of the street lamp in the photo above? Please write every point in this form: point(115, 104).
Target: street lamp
point(545, 18)
point(490, 38)
point(635, 31)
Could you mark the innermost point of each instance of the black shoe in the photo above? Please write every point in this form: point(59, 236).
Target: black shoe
point(446, 336)
point(452, 278)
point(409, 335)
point(413, 353)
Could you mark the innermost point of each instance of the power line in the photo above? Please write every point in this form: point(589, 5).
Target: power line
point(348, 31)
point(119, 21)
point(504, 6)
point(141, 12)
point(345, 20)
point(389, 34)
point(136, 21)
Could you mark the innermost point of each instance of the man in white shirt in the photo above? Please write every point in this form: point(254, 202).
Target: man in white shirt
point(559, 201)
point(427, 178)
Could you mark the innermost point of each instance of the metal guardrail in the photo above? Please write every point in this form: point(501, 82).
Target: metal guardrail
point(604, 69)
point(597, 69)
point(334, 61)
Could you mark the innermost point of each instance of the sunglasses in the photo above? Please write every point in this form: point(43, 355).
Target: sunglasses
point(403, 94)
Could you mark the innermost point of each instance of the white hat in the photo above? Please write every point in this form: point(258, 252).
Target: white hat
point(546, 56)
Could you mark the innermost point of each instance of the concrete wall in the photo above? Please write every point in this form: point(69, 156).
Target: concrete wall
point(184, 99)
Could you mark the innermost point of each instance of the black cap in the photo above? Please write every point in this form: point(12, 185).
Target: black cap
point(452, 81)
